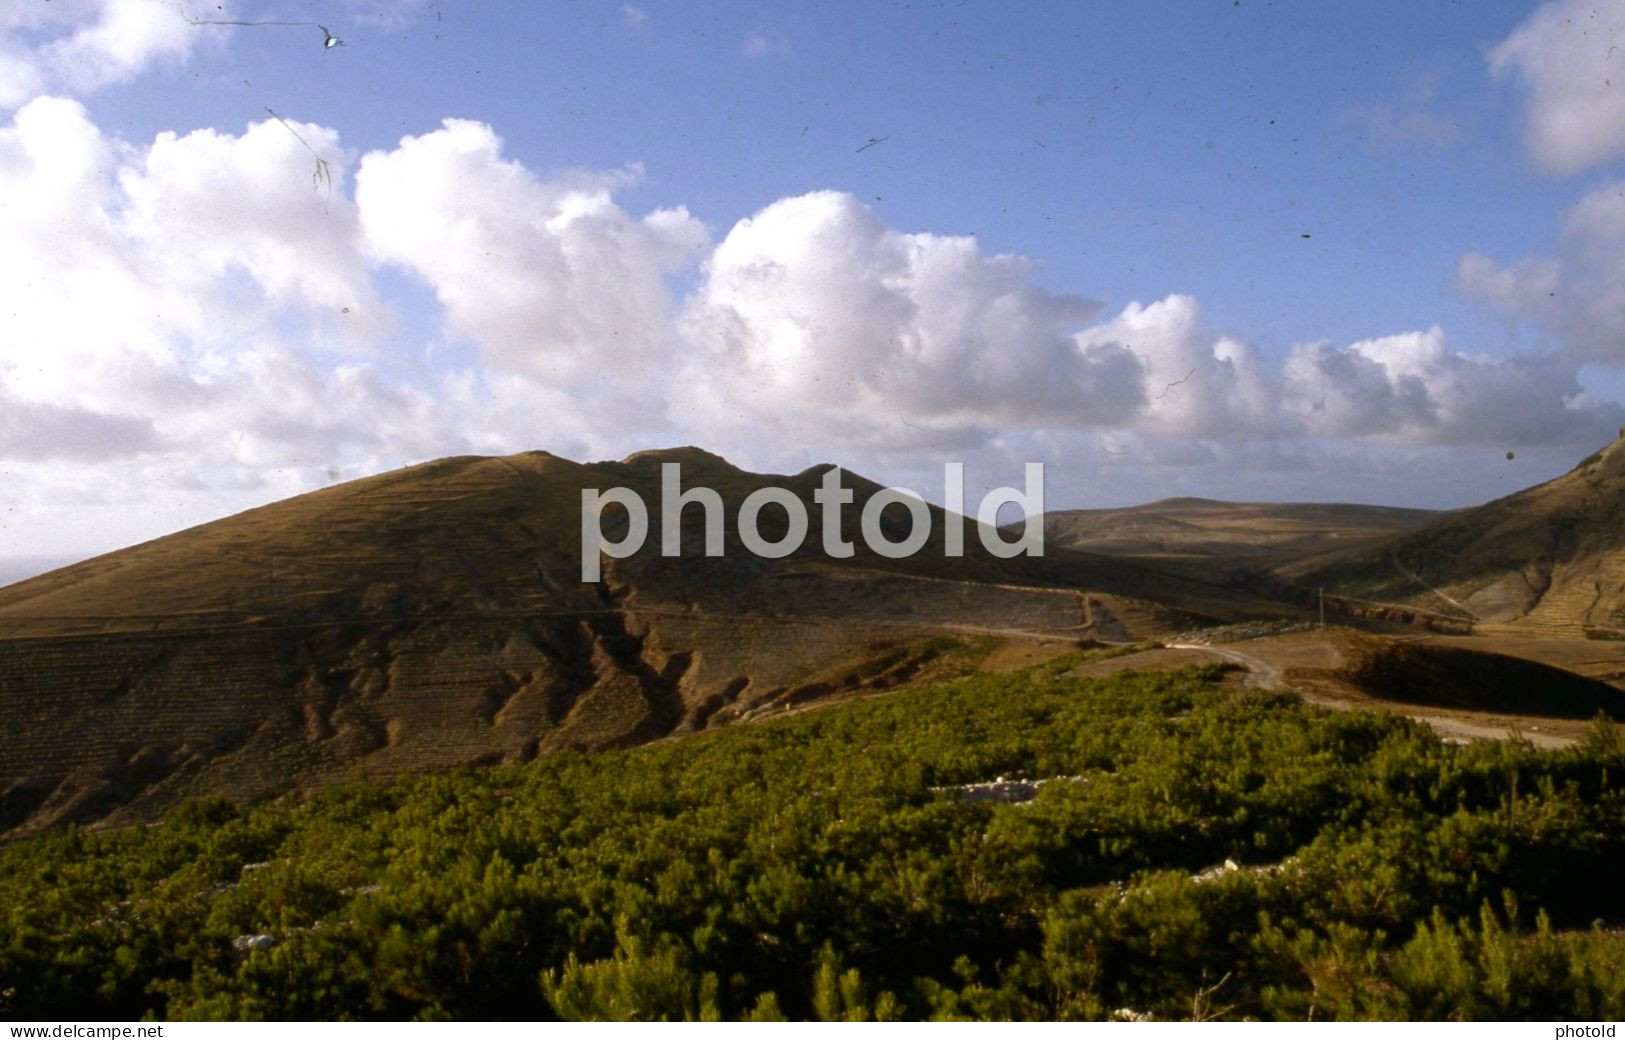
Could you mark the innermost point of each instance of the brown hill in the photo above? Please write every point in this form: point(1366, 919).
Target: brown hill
point(435, 616)
point(1548, 558)
point(1204, 530)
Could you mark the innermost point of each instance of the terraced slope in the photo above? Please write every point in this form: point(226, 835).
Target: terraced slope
point(435, 616)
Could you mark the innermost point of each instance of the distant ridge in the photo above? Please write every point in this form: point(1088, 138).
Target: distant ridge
point(1205, 530)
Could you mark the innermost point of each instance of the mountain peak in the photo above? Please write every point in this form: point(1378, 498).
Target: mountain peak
point(685, 455)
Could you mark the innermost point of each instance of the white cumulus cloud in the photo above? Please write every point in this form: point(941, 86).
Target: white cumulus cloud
point(1411, 388)
point(1570, 55)
point(1576, 296)
point(550, 278)
point(88, 44)
point(1195, 382)
point(189, 305)
point(813, 308)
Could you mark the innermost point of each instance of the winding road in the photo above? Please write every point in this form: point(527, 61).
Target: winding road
point(1260, 675)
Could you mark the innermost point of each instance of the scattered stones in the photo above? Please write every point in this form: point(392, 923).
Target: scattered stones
point(1005, 790)
point(1230, 866)
point(1227, 867)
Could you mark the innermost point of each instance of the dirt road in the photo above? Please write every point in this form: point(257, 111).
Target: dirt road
point(1260, 675)
point(1263, 674)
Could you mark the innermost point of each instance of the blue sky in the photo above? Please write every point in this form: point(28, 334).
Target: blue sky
point(1132, 149)
point(1246, 250)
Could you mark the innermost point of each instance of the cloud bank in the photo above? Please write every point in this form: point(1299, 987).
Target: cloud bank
point(207, 310)
point(217, 317)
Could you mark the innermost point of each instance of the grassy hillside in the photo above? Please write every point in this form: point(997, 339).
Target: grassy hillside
point(1160, 846)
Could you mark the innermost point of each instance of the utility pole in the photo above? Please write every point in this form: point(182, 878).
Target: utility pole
point(1322, 592)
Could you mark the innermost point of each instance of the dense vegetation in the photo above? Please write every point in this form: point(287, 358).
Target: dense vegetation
point(825, 866)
